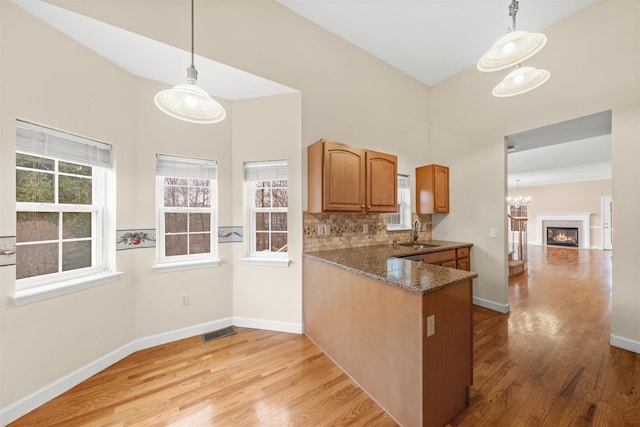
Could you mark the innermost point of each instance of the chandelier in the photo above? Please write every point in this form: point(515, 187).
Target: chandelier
point(518, 201)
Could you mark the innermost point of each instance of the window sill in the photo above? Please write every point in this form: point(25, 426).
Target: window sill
point(264, 261)
point(41, 293)
point(399, 228)
point(187, 265)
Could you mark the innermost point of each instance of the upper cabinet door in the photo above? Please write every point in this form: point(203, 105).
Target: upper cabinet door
point(432, 189)
point(344, 178)
point(382, 182)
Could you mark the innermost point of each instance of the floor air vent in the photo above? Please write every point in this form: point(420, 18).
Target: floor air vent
point(210, 336)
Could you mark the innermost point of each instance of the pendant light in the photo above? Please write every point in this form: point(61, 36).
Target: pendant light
point(187, 101)
point(510, 51)
point(520, 80)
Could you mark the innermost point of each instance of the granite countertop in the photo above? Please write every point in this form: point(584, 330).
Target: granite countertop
point(382, 263)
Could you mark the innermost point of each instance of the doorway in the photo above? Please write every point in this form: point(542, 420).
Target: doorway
point(564, 168)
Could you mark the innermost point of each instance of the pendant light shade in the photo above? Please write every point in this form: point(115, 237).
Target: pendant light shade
point(511, 49)
point(187, 101)
point(520, 80)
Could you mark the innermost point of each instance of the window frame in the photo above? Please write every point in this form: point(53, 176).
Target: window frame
point(404, 205)
point(186, 261)
point(275, 170)
point(58, 146)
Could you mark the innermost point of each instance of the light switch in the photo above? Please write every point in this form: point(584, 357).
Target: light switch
point(493, 233)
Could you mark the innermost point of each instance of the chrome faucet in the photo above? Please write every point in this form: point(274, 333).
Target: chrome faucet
point(416, 228)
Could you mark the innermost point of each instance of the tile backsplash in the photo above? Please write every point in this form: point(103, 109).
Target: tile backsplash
point(354, 229)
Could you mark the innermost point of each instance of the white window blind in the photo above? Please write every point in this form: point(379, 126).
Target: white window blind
point(263, 171)
point(403, 182)
point(46, 142)
point(184, 167)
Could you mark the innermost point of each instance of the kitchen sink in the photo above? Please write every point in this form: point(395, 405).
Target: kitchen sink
point(418, 245)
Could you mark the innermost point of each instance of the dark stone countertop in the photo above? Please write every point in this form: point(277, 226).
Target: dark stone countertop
point(382, 263)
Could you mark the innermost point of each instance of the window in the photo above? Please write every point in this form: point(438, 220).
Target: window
point(187, 204)
point(268, 203)
point(402, 219)
point(61, 185)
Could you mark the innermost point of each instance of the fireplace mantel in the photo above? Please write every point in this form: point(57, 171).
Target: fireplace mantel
point(583, 217)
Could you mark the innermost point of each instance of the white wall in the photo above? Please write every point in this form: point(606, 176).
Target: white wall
point(268, 129)
point(49, 79)
point(594, 59)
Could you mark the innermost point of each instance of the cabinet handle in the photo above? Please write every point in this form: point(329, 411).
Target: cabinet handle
point(369, 207)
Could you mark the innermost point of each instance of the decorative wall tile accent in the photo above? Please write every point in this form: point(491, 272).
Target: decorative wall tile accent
point(341, 230)
point(229, 234)
point(7, 250)
point(134, 239)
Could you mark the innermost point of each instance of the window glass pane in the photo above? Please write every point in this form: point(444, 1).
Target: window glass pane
point(35, 260)
point(199, 243)
point(76, 225)
point(74, 190)
point(176, 192)
point(36, 226)
point(262, 221)
point(199, 222)
point(74, 168)
point(176, 181)
point(175, 222)
point(200, 183)
point(280, 199)
point(263, 196)
point(34, 162)
point(279, 221)
point(175, 245)
point(76, 255)
point(34, 187)
point(262, 242)
point(199, 197)
point(278, 242)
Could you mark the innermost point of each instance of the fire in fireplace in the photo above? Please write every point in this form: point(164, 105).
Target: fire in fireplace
point(562, 236)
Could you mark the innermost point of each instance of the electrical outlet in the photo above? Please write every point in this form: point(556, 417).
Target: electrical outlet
point(493, 233)
point(184, 300)
point(365, 228)
point(327, 230)
point(431, 325)
point(320, 229)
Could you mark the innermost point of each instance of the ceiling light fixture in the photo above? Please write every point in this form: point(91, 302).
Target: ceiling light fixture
point(510, 51)
point(187, 101)
point(518, 201)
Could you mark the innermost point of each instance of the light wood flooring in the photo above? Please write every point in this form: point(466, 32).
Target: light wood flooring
point(547, 363)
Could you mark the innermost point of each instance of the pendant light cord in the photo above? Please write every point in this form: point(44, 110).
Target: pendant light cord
point(192, 45)
point(513, 9)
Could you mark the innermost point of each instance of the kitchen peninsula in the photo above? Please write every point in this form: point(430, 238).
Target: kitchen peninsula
point(400, 328)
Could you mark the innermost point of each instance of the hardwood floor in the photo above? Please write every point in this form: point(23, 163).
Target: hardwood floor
point(547, 363)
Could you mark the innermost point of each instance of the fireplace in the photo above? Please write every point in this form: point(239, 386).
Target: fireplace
point(563, 236)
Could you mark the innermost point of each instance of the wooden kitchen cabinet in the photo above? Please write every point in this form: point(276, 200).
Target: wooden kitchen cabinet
point(432, 189)
point(459, 258)
point(350, 179)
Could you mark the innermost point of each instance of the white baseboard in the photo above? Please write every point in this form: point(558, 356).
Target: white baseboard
point(39, 397)
point(624, 343)
point(491, 305)
point(269, 325)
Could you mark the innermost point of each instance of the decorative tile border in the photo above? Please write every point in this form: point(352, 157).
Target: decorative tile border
point(230, 234)
point(135, 238)
point(7, 250)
